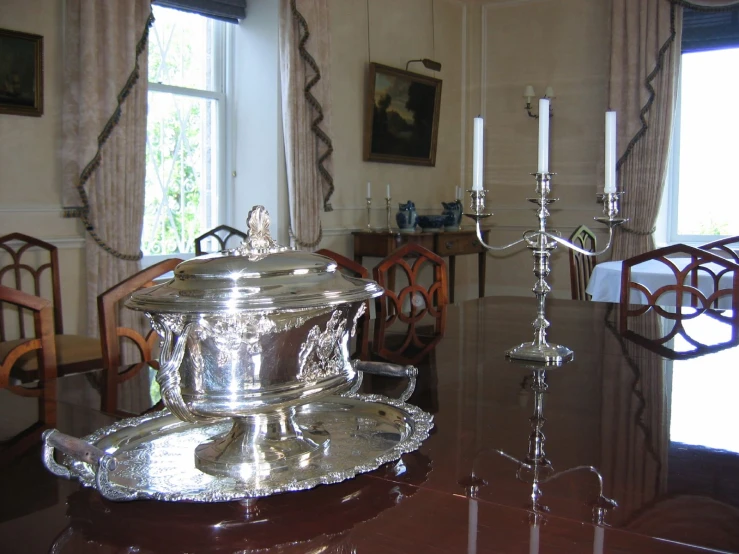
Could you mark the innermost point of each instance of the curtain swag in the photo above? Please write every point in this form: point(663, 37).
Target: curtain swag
point(316, 105)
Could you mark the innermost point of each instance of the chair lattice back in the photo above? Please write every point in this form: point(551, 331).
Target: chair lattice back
point(30, 265)
point(223, 235)
point(727, 248)
point(581, 266)
point(411, 305)
point(720, 282)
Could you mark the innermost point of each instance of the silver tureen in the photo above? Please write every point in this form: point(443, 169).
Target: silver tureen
point(251, 334)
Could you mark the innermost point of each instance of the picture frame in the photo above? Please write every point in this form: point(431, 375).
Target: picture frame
point(21, 73)
point(393, 131)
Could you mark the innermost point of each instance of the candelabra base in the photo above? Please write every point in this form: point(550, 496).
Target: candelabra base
point(542, 353)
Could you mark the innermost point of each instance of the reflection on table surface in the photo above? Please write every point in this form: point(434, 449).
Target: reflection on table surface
point(651, 426)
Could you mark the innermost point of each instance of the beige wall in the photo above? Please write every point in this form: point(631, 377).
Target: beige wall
point(562, 43)
point(30, 197)
point(489, 52)
point(391, 33)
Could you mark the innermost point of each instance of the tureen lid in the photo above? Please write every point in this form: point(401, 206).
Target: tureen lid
point(259, 274)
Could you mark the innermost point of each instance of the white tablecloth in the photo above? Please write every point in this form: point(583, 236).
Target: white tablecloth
point(605, 282)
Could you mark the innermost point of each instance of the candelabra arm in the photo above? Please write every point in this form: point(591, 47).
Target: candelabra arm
point(568, 244)
point(603, 499)
point(511, 458)
point(487, 246)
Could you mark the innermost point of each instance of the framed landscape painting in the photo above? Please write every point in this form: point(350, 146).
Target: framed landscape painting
point(21, 73)
point(401, 116)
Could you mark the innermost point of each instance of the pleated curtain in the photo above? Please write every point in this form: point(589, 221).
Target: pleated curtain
point(305, 53)
point(644, 71)
point(104, 136)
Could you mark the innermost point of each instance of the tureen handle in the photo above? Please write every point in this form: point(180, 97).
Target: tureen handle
point(168, 376)
point(388, 370)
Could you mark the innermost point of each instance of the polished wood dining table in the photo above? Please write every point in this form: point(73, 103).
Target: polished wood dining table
point(656, 429)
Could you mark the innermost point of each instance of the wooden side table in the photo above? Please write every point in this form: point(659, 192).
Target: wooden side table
point(446, 244)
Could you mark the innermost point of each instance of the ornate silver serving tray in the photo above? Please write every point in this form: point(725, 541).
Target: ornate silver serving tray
point(152, 456)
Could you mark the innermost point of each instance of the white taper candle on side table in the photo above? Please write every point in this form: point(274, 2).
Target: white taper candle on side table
point(369, 206)
point(387, 203)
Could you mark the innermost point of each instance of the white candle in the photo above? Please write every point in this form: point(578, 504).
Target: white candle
point(534, 539)
point(477, 155)
point(543, 135)
point(598, 540)
point(472, 527)
point(369, 190)
point(387, 191)
point(610, 185)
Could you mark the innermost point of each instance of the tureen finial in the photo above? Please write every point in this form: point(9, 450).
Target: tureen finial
point(258, 240)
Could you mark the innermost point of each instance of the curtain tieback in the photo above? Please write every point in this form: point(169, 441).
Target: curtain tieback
point(640, 233)
point(302, 244)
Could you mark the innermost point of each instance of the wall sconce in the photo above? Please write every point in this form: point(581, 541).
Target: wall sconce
point(428, 64)
point(528, 93)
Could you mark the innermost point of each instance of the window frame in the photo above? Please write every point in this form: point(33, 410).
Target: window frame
point(222, 48)
point(672, 178)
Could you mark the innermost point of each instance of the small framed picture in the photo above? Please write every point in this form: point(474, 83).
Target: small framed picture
point(401, 116)
point(21, 73)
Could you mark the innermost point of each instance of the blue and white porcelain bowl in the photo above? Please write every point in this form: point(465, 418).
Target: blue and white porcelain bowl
point(431, 223)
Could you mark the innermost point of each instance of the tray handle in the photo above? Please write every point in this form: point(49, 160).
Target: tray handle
point(101, 462)
point(74, 448)
point(388, 370)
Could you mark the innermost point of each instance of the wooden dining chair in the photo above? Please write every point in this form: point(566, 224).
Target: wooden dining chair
point(112, 333)
point(727, 248)
point(42, 347)
point(410, 307)
point(720, 274)
point(354, 269)
point(31, 265)
point(581, 266)
point(223, 236)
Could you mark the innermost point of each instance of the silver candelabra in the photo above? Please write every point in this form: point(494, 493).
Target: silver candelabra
point(542, 242)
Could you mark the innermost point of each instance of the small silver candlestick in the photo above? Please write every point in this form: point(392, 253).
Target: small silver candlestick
point(388, 200)
point(542, 242)
point(369, 218)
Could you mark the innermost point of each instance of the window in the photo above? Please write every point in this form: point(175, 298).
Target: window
point(185, 152)
point(702, 186)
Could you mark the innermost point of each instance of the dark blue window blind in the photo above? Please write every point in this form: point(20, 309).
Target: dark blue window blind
point(226, 10)
point(710, 30)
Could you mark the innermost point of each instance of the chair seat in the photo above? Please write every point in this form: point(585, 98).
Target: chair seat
point(70, 350)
